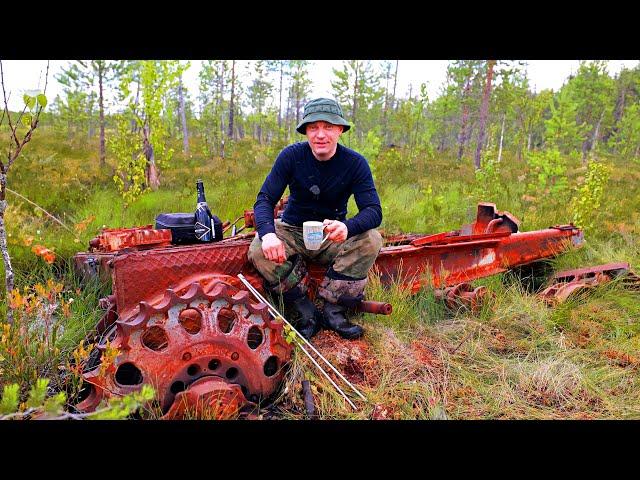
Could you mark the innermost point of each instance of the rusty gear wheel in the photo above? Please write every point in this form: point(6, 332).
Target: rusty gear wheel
point(208, 352)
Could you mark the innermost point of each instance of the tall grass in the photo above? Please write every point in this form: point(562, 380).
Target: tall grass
point(516, 358)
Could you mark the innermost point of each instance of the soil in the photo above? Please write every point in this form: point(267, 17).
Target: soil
point(353, 358)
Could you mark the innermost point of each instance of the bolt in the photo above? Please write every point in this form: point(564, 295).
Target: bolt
point(186, 356)
point(234, 356)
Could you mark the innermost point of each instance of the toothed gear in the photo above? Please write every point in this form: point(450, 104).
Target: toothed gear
point(206, 350)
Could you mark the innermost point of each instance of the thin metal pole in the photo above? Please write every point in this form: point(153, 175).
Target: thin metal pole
point(275, 314)
point(263, 300)
point(327, 375)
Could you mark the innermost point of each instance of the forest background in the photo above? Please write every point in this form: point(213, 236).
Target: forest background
point(548, 157)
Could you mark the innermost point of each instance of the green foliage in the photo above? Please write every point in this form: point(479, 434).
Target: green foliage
point(371, 145)
point(517, 359)
point(587, 202)
point(38, 393)
point(592, 93)
point(119, 408)
point(10, 399)
point(154, 79)
point(130, 177)
point(547, 172)
point(626, 139)
point(40, 406)
point(488, 183)
point(356, 87)
point(562, 129)
point(289, 334)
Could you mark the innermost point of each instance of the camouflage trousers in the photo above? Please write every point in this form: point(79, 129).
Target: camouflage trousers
point(349, 263)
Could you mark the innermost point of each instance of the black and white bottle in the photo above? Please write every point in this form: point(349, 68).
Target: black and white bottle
point(203, 228)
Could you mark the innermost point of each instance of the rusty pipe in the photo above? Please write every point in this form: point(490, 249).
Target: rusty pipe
point(493, 224)
point(377, 308)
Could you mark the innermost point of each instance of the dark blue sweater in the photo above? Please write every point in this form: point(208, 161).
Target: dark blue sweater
point(319, 190)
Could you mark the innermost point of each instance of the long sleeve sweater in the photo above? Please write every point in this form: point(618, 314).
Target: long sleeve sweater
point(319, 190)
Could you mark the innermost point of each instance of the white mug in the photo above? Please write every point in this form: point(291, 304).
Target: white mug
point(312, 234)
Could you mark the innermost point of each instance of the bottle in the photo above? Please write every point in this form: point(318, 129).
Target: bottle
point(203, 216)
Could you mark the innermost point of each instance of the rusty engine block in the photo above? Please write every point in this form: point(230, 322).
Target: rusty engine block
point(179, 319)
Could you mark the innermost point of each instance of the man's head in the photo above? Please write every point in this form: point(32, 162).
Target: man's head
point(323, 123)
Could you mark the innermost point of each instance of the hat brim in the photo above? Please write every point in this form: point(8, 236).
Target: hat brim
point(324, 117)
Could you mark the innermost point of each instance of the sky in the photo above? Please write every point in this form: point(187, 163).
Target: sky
point(23, 76)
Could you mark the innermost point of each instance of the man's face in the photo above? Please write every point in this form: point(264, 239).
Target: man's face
point(323, 139)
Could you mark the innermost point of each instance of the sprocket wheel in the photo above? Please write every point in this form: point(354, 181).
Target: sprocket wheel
point(208, 352)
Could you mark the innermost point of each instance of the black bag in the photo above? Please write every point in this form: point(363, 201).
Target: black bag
point(182, 226)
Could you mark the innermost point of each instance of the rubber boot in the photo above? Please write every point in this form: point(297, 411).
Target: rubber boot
point(333, 318)
point(293, 289)
point(308, 323)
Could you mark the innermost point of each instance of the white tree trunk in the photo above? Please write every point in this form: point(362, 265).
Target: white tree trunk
point(501, 138)
point(8, 269)
point(594, 143)
point(183, 119)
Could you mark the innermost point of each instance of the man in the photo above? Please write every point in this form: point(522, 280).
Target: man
point(321, 175)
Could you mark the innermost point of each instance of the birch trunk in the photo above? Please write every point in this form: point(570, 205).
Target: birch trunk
point(355, 95)
point(280, 100)
point(231, 106)
point(8, 269)
point(484, 110)
point(462, 136)
point(152, 170)
point(594, 143)
point(183, 119)
point(501, 137)
point(103, 149)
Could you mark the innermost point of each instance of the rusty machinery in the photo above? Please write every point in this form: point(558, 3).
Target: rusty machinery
point(179, 319)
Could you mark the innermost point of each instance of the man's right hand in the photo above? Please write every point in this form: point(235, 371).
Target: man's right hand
point(273, 248)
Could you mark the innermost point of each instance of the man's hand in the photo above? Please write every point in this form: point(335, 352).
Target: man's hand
point(273, 248)
point(337, 230)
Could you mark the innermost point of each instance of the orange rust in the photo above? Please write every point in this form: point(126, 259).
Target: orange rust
point(115, 239)
point(149, 276)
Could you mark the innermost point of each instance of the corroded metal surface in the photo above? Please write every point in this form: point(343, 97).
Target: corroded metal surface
point(463, 295)
point(571, 282)
point(160, 291)
point(114, 239)
point(212, 339)
point(415, 261)
point(475, 251)
point(144, 274)
point(370, 306)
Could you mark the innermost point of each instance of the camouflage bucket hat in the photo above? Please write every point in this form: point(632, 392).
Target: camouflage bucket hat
point(322, 109)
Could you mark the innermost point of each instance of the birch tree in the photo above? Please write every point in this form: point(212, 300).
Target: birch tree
point(139, 152)
point(84, 76)
point(484, 111)
point(20, 131)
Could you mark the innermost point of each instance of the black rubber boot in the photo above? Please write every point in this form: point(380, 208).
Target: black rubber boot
point(309, 322)
point(333, 318)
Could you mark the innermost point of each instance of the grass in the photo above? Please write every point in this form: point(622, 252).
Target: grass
point(516, 358)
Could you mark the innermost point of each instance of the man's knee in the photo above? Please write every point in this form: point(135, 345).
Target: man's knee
point(262, 264)
point(370, 243)
point(255, 253)
point(373, 241)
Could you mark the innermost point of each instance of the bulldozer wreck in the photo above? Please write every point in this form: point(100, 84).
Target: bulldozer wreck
point(179, 319)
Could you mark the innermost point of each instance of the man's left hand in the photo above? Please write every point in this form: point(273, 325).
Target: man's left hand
point(336, 229)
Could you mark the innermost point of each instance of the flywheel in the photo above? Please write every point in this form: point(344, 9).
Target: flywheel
point(208, 349)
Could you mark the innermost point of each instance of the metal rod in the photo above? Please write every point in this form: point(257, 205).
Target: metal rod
point(326, 375)
point(276, 315)
point(263, 300)
point(307, 395)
